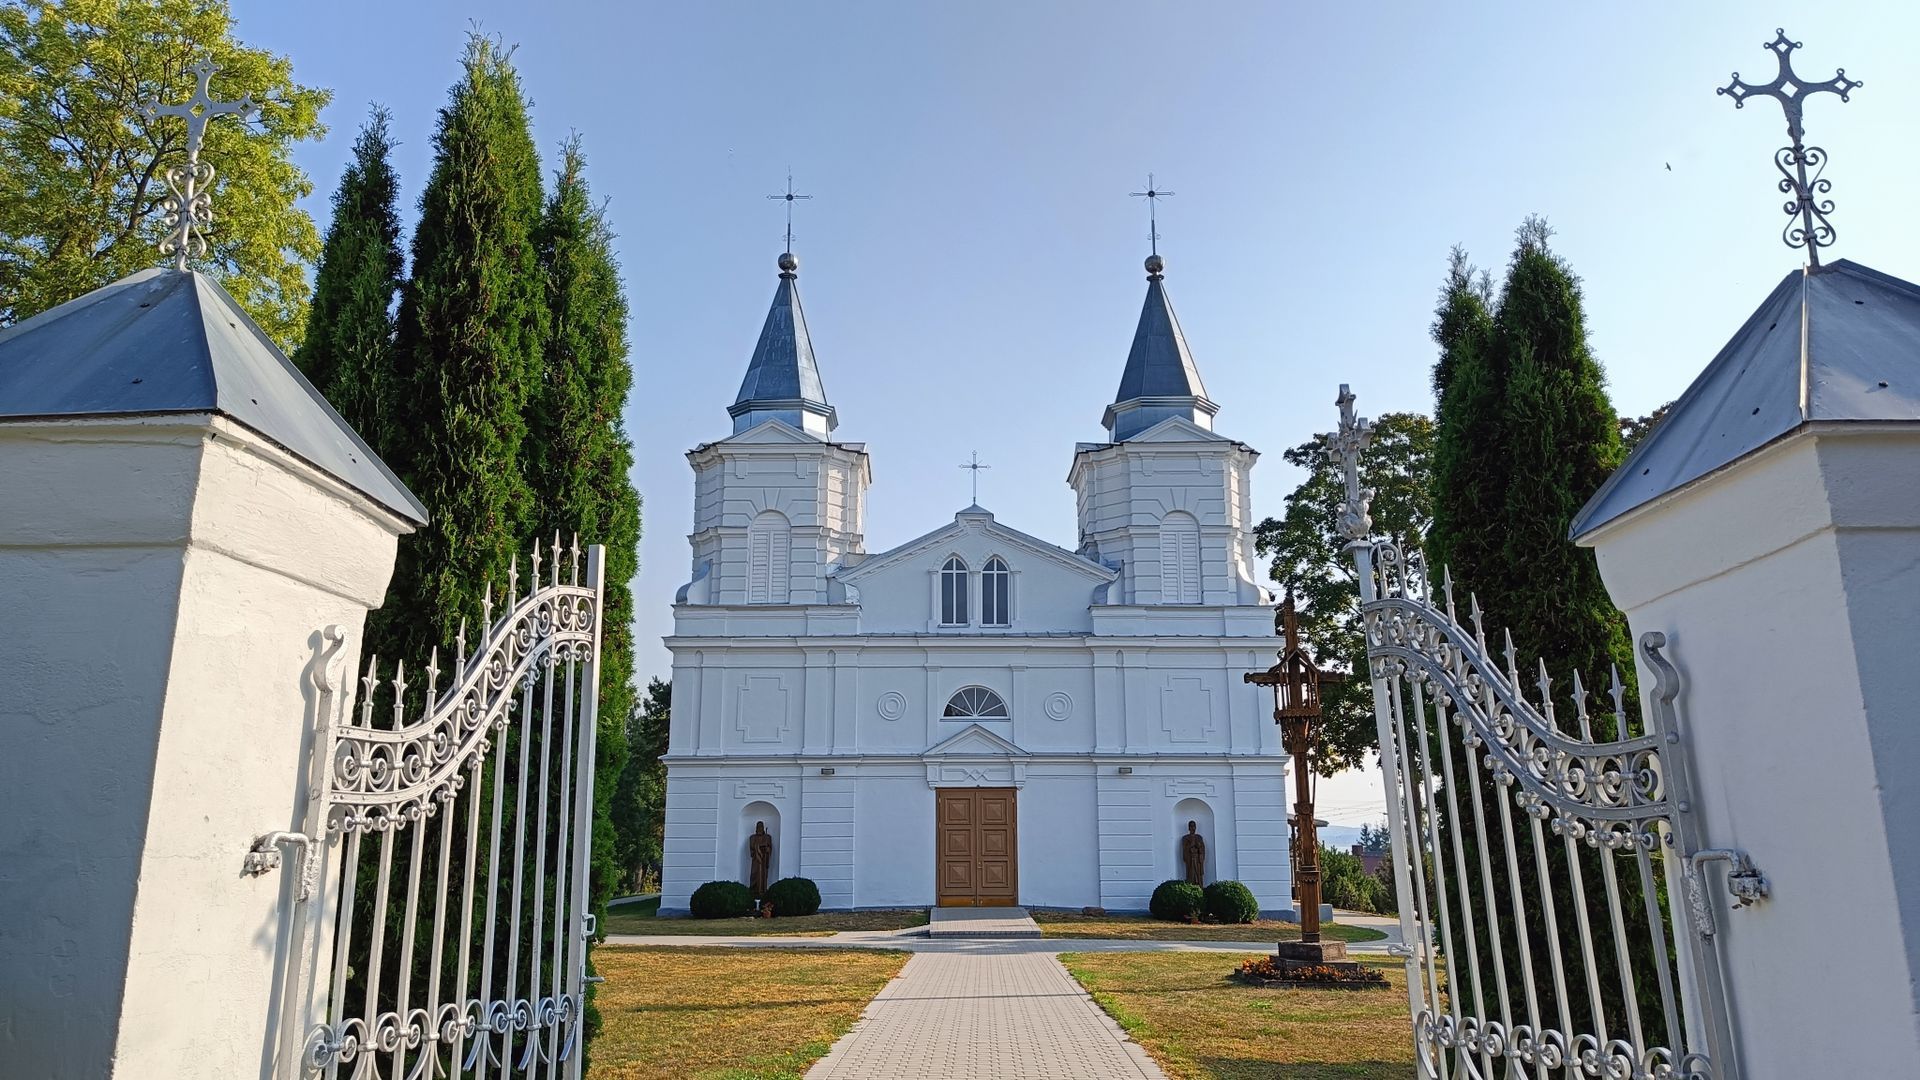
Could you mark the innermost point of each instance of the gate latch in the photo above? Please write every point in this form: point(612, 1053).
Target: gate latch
point(1744, 880)
point(264, 857)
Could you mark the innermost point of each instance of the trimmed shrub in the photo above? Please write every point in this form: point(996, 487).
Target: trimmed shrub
point(1231, 902)
point(1177, 901)
point(720, 900)
point(793, 896)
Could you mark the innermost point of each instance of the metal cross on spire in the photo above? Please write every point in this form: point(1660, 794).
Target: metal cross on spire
point(975, 466)
point(1153, 198)
point(1808, 227)
point(188, 203)
point(789, 197)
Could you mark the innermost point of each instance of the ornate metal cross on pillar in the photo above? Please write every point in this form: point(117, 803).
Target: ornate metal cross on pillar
point(188, 203)
point(1808, 227)
point(1153, 198)
point(975, 466)
point(1355, 435)
point(789, 196)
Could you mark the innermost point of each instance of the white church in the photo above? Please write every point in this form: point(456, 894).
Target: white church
point(977, 716)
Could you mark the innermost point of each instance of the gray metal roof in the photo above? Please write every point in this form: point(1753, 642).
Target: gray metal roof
point(1160, 379)
point(1834, 343)
point(165, 341)
point(783, 375)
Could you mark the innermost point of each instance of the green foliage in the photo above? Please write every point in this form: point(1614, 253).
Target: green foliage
point(1526, 435)
point(577, 456)
point(1177, 900)
point(348, 350)
point(1635, 429)
point(472, 324)
point(720, 900)
point(1375, 839)
point(1308, 558)
point(793, 896)
point(639, 810)
point(1345, 883)
point(82, 170)
point(1231, 902)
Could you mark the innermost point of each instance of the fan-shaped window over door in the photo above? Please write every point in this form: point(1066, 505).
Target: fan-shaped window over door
point(953, 593)
point(769, 551)
point(1179, 559)
point(975, 703)
point(996, 590)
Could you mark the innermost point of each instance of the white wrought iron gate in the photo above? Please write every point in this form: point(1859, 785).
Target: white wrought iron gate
point(459, 824)
point(1534, 861)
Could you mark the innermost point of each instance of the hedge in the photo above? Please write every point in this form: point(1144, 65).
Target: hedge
point(1177, 901)
point(793, 896)
point(720, 900)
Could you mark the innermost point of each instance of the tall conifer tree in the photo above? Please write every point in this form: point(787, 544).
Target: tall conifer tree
point(472, 324)
point(348, 350)
point(578, 457)
point(1468, 476)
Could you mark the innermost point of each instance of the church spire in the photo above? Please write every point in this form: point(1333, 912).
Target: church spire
point(783, 381)
point(1160, 380)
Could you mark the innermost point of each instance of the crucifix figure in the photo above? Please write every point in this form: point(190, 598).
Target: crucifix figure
point(1153, 198)
point(1354, 436)
point(188, 203)
point(1808, 227)
point(789, 196)
point(975, 466)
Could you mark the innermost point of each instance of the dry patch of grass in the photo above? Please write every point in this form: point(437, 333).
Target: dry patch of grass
point(644, 918)
point(680, 1013)
point(1147, 928)
point(1201, 1026)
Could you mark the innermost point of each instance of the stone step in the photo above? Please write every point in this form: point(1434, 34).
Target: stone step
point(982, 922)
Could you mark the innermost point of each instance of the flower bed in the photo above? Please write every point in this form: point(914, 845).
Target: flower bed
point(1265, 971)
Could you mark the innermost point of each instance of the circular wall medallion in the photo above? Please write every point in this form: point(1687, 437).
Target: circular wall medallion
point(1059, 706)
point(892, 705)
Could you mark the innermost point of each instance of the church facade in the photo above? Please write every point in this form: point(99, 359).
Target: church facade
point(977, 716)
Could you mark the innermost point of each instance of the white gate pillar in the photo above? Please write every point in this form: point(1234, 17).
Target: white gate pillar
point(1788, 586)
point(180, 518)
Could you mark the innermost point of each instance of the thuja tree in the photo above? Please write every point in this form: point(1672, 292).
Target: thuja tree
point(640, 798)
point(1308, 557)
point(473, 322)
point(578, 456)
point(348, 352)
point(1526, 434)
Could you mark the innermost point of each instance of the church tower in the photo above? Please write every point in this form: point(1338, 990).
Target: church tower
point(778, 503)
point(1166, 500)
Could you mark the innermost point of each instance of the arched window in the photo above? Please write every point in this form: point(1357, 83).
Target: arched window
point(953, 593)
point(975, 703)
point(769, 550)
point(1179, 559)
point(996, 589)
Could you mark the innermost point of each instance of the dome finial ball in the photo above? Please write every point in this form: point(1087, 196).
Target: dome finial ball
point(1156, 264)
point(788, 264)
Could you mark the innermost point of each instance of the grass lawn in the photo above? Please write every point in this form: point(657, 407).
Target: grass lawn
point(644, 917)
point(676, 1013)
point(1200, 1026)
point(1146, 927)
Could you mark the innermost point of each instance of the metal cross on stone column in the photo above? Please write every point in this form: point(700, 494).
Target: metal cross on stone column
point(1354, 436)
point(188, 202)
point(1808, 227)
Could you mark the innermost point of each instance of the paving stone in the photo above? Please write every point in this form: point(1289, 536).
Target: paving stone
point(989, 922)
point(991, 1013)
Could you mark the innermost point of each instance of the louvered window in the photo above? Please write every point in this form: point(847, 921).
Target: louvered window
point(996, 590)
point(953, 593)
point(1179, 559)
point(769, 549)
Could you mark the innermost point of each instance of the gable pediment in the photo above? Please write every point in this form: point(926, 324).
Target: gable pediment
point(1010, 542)
point(776, 432)
point(974, 741)
point(1178, 429)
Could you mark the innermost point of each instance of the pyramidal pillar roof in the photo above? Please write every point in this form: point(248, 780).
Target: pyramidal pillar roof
point(1161, 380)
point(783, 379)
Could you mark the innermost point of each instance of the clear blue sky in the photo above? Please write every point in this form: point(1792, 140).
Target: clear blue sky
point(971, 263)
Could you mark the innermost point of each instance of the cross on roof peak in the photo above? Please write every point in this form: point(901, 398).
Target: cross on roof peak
point(1153, 197)
point(1809, 227)
point(789, 197)
point(188, 203)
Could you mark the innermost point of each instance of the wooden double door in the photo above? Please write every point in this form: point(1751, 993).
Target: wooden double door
point(976, 848)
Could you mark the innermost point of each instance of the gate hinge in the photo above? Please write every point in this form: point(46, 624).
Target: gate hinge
point(1744, 880)
point(264, 857)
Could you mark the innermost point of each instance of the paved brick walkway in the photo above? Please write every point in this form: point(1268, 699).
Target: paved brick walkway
point(997, 1013)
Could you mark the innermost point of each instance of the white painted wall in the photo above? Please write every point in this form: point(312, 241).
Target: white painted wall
point(170, 577)
point(1788, 586)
